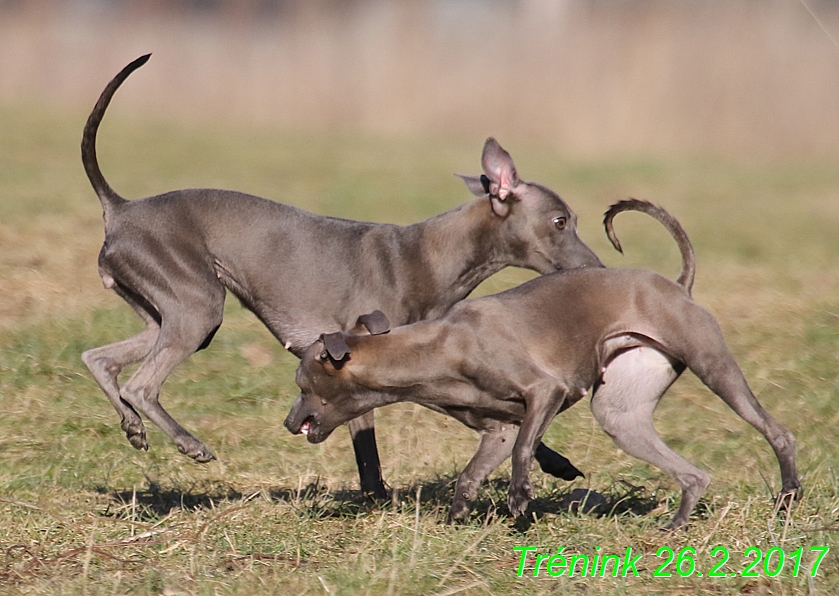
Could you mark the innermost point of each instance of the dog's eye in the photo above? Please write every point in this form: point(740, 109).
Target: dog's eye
point(560, 222)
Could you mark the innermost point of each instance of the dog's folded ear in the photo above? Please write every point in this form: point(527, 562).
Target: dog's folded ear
point(478, 185)
point(334, 346)
point(375, 322)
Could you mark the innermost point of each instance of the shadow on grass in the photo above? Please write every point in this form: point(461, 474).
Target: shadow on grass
point(491, 503)
point(153, 502)
point(315, 501)
point(436, 497)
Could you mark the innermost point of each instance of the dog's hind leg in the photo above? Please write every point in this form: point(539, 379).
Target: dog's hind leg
point(106, 362)
point(185, 327)
point(495, 447)
point(556, 464)
point(623, 405)
point(715, 367)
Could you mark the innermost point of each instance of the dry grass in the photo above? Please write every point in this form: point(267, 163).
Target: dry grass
point(82, 513)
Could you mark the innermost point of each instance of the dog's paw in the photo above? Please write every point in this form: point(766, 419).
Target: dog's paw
point(197, 451)
point(675, 525)
point(203, 456)
point(136, 435)
point(138, 441)
point(521, 493)
point(135, 432)
point(459, 510)
point(788, 497)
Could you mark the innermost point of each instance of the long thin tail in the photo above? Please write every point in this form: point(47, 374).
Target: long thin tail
point(106, 194)
point(669, 222)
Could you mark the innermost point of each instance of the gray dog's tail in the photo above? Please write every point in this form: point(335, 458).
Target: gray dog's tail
point(669, 222)
point(106, 194)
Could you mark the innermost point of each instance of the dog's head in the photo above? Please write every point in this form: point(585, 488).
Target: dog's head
point(329, 395)
point(538, 230)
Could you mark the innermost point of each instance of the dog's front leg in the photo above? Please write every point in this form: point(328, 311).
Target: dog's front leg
point(495, 447)
point(363, 433)
point(543, 404)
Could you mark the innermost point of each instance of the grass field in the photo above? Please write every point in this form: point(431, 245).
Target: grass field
point(81, 512)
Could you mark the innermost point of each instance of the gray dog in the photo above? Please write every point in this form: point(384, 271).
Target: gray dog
point(173, 256)
point(506, 364)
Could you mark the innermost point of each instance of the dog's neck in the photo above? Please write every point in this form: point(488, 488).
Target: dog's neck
point(410, 364)
point(459, 249)
point(378, 362)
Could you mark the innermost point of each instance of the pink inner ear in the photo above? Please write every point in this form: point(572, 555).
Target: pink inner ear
point(503, 179)
point(509, 179)
point(500, 169)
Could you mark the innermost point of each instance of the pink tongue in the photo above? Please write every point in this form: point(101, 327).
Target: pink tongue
point(305, 428)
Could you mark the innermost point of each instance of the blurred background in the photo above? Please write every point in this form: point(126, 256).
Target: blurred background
point(738, 78)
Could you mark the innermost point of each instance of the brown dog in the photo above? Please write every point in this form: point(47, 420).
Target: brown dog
point(173, 256)
point(506, 364)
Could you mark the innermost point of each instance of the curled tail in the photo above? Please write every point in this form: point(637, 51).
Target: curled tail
point(106, 194)
point(669, 222)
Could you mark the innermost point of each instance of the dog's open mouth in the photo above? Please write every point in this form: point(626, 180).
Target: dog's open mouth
point(307, 425)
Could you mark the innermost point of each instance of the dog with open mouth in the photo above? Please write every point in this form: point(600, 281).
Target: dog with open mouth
point(505, 365)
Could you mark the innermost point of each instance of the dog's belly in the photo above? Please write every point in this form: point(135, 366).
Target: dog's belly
point(634, 382)
point(640, 366)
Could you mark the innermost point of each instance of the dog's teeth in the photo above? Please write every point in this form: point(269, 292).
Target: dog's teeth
point(287, 345)
point(305, 430)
